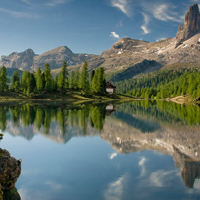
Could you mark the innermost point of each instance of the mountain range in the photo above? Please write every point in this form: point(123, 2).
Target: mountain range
point(125, 54)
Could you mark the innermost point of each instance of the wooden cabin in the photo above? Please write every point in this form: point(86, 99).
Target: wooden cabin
point(110, 88)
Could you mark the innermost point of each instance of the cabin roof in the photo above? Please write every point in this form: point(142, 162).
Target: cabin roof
point(109, 85)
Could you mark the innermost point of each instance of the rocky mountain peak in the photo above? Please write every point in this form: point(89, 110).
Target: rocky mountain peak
point(124, 45)
point(191, 25)
point(192, 16)
point(29, 52)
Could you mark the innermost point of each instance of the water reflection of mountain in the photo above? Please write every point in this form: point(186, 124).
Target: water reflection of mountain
point(190, 168)
point(55, 123)
point(132, 127)
point(143, 125)
point(55, 132)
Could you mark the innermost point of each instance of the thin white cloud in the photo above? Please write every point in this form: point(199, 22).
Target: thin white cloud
point(54, 186)
point(50, 188)
point(164, 12)
point(142, 165)
point(19, 14)
point(56, 2)
point(113, 155)
point(28, 2)
point(162, 178)
point(51, 3)
point(122, 5)
point(142, 161)
point(115, 35)
point(146, 22)
point(115, 189)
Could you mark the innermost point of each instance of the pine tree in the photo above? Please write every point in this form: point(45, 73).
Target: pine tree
point(55, 83)
point(92, 75)
point(76, 79)
point(47, 77)
point(95, 86)
point(3, 79)
point(63, 77)
point(84, 76)
point(38, 78)
point(101, 80)
point(71, 80)
point(31, 83)
point(24, 81)
point(15, 86)
point(98, 81)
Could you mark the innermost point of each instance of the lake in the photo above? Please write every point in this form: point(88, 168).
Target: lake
point(135, 150)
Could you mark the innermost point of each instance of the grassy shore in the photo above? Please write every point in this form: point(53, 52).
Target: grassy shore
point(183, 99)
point(74, 97)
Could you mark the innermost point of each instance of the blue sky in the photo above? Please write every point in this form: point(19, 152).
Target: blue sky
point(86, 26)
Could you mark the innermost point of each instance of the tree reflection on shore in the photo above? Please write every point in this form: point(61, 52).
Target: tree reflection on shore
point(42, 116)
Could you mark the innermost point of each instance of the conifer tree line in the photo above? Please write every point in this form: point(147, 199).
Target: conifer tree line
point(162, 84)
point(188, 83)
point(39, 81)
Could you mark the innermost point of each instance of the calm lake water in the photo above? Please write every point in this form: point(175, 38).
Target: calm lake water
point(136, 150)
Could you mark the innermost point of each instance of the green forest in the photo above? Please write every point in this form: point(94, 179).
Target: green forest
point(38, 82)
point(162, 84)
point(154, 85)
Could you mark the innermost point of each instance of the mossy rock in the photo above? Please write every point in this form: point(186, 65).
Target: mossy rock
point(11, 194)
point(1, 195)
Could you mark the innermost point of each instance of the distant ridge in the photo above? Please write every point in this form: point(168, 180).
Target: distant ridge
point(28, 60)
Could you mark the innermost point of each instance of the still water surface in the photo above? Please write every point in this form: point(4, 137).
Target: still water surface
point(137, 150)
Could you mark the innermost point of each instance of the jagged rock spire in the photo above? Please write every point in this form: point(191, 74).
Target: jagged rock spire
point(191, 25)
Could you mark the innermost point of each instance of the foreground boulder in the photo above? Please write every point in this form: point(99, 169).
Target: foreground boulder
point(10, 170)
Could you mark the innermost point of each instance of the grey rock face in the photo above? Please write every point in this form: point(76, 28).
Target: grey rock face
point(191, 25)
point(10, 170)
point(23, 60)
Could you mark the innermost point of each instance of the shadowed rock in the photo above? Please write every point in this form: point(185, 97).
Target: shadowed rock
point(10, 170)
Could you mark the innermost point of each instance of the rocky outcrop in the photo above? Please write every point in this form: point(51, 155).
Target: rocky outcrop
point(10, 170)
point(191, 25)
point(124, 45)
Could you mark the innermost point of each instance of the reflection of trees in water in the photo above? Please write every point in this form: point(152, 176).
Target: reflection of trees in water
point(163, 111)
point(42, 116)
point(190, 169)
point(3, 117)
